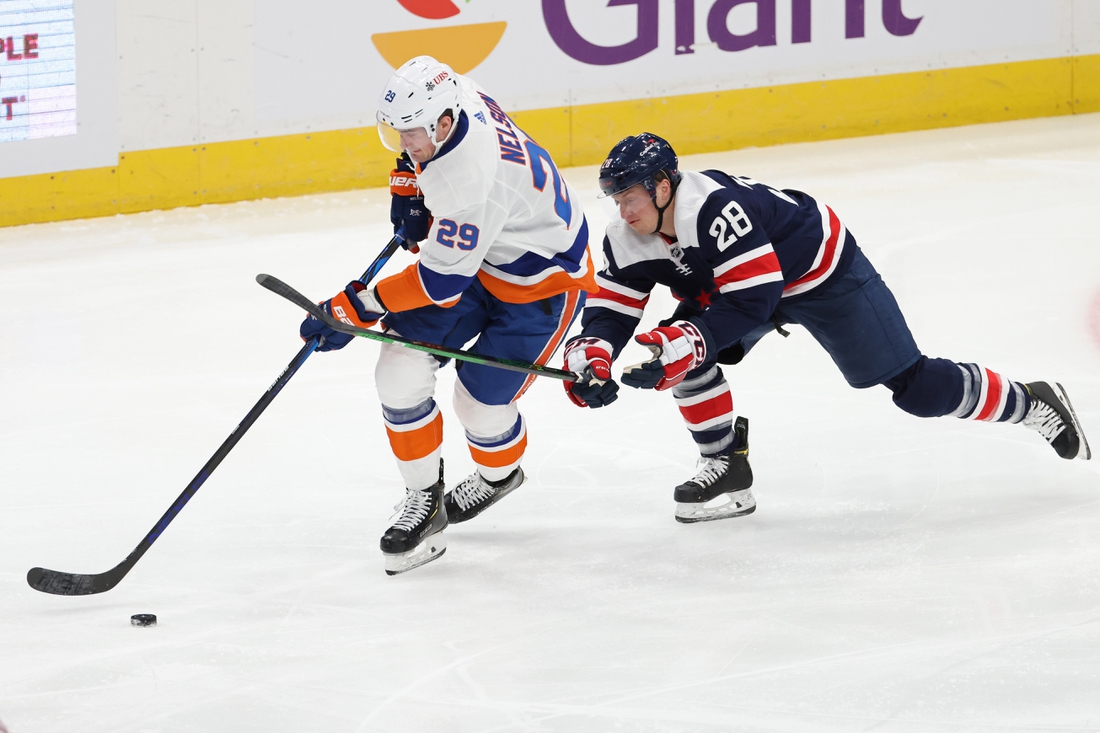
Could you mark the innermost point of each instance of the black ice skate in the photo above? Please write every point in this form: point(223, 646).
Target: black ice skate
point(416, 538)
point(721, 489)
point(1051, 415)
point(475, 495)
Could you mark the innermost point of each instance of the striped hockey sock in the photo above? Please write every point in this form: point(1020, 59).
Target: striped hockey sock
point(497, 456)
point(416, 437)
point(990, 397)
point(706, 405)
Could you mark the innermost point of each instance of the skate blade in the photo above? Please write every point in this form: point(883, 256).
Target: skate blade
point(1083, 452)
point(726, 506)
point(428, 550)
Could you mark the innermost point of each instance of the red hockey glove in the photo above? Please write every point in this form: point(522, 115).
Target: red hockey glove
point(591, 359)
point(677, 349)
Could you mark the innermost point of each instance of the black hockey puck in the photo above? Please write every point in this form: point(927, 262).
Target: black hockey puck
point(143, 619)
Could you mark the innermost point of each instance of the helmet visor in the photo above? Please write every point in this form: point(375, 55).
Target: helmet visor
point(415, 138)
point(390, 137)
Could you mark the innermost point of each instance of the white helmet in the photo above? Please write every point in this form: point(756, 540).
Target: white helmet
point(416, 96)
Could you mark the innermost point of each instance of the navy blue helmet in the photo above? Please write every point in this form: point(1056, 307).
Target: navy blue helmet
point(636, 160)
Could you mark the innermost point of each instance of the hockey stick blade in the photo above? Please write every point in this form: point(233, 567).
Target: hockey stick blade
point(280, 288)
point(74, 584)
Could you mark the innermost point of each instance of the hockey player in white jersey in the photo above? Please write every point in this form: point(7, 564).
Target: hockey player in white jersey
point(744, 259)
point(504, 259)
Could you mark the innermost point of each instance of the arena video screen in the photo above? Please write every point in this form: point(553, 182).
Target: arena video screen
point(37, 69)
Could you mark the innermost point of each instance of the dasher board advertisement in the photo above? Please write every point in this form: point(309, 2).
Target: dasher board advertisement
point(557, 53)
point(37, 69)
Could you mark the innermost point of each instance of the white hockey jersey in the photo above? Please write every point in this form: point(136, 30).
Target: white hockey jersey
point(501, 213)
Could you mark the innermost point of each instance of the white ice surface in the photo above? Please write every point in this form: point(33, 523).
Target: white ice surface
point(899, 574)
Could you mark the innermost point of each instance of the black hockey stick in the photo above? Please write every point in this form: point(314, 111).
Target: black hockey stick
point(79, 584)
point(279, 287)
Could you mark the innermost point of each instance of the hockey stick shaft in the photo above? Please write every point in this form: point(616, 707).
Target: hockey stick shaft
point(78, 584)
point(278, 287)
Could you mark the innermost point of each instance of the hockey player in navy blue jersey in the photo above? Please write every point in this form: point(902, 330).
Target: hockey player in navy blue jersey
point(744, 259)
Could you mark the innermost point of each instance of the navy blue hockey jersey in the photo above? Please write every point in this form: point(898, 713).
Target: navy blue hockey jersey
point(741, 247)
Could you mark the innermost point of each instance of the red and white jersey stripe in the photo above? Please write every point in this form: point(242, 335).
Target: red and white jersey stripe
point(828, 255)
point(755, 267)
point(617, 297)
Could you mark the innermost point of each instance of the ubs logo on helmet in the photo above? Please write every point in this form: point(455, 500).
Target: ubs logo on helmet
point(462, 47)
point(439, 79)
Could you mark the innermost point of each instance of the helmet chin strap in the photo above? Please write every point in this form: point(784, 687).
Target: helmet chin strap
point(661, 209)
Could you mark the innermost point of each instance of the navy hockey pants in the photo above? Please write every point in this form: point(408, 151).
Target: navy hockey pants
point(857, 320)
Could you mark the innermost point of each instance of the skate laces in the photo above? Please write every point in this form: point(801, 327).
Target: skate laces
point(413, 509)
point(710, 469)
point(473, 490)
point(1045, 420)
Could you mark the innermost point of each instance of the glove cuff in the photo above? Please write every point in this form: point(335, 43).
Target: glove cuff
point(403, 183)
point(588, 353)
point(588, 341)
point(371, 302)
point(368, 307)
point(703, 331)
